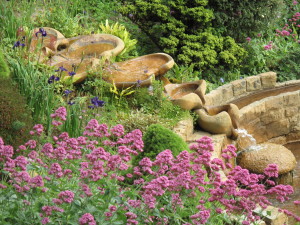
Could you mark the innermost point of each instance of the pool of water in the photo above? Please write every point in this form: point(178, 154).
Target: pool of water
point(289, 205)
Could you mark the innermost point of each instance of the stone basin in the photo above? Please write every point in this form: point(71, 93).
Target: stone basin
point(94, 45)
point(188, 95)
point(138, 70)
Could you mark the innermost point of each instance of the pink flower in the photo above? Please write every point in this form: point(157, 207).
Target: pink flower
point(37, 181)
point(66, 196)
point(271, 170)
point(60, 113)
point(45, 220)
point(248, 39)
point(268, 47)
point(87, 219)
point(295, 2)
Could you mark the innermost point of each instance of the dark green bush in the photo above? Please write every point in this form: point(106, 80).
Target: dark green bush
point(242, 18)
point(288, 67)
point(183, 29)
point(157, 139)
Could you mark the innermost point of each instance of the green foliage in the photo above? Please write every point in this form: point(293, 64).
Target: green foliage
point(15, 118)
point(241, 19)
point(158, 138)
point(59, 18)
point(4, 70)
point(288, 67)
point(120, 31)
point(183, 30)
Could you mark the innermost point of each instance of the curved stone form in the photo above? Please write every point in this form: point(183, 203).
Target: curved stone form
point(50, 45)
point(188, 95)
point(138, 71)
point(95, 46)
point(257, 160)
point(215, 124)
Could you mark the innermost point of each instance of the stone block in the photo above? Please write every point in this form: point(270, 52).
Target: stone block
point(278, 128)
point(275, 102)
point(273, 115)
point(184, 128)
point(291, 98)
point(272, 216)
point(293, 136)
point(278, 140)
point(253, 83)
point(268, 79)
point(213, 98)
point(252, 111)
point(226, 93)
point(239, 87)
point(291, 111)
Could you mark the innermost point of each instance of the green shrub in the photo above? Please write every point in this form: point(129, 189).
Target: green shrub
point(183, 30)
point(288, 68)
point(158, 138)
point(240, 19)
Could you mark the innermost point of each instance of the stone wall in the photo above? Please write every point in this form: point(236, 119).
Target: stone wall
point(239, 88)
point(274, 118)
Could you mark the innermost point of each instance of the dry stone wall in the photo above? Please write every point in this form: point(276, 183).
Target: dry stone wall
point(275, 119)
point(239, 88)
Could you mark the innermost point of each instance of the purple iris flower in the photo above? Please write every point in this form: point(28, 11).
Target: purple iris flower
point(67, 92)
point(72, 73)
point(61, 68)
point(96, 103)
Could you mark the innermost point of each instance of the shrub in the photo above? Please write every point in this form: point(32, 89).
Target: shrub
point(241, 19)
point(120, 31)
point(158, 138)
point(288, 68)
point(183, 30)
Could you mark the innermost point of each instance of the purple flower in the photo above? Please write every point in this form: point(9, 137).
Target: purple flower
point(67, 92)
point(42, 32)
point(18, 44)
point(96, 103)
point(222, 80)
point(61, 68)
point(52, 79)
point(72, 73)
point(71, 103)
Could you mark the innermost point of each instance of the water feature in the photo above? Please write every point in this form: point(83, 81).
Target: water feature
point(289, 205)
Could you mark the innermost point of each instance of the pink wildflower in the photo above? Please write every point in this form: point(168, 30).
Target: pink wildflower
point(271, 170)
point(87, 219)
point(66, 196)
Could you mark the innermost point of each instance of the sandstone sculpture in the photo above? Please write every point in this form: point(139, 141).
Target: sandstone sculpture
point(139, 71)
point(189, 95)
point(268, 153)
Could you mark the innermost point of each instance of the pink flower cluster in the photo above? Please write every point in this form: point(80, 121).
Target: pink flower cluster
point(269, 46)
point(100, 161)
point(59, 116)
point(87, 219)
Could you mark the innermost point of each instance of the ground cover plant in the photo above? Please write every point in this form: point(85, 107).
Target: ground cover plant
point(73, 173)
